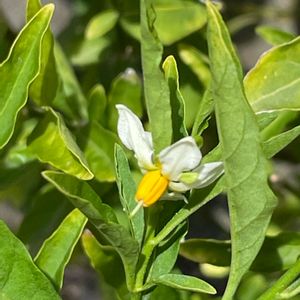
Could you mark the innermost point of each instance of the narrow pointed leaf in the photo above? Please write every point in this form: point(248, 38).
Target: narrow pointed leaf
point(58, 248)
point(52, 142)
point(101, 23)
point(196, 61)
point(155, 85)
point(127, 190)
point(44, 87)
point(19, 70)
point(20, 278)
point(176, 99)
point(275, 144)
point(97, 102)
point(251, 201)
point(274, 36)
point(277, 253)
point(167, 252)
point(101, 216)
point(185, 282)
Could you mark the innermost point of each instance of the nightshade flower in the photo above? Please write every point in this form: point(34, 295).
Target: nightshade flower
point(176, 168)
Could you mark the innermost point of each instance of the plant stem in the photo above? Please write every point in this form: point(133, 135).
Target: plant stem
point(282, 283)
point(148, 247)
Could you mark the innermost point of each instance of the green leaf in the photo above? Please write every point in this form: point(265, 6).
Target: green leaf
point(275, 144)
point(58, 248)
point(197, 62)
point(279, 124)
point(70, 98)
point(274, 84)
point(82, 196)
point(274, 36)
point(167, 252)
point(97, 102)
point(101, 216)
point(106, 261)
point(52, 143)
point(99, 145)
point(176, 19)
point(291, 291)
point(127, 190)
point(208, 251)
point(19, 277)
point(48, 209)
point(126, 89)
point(197, 199)
point(163, 292)
point(176, 99)
point(101, 23)
point(89, 52)
point(277, 253)
point(44, 87)
point(19, 70)
point(205, 109)
point(185, 282)
point(251, 201)
point(155, 86)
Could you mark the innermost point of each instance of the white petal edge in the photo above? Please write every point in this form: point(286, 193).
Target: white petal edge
point(179, 187)
point(183, 155)
point(208, 173)
point(134, 137)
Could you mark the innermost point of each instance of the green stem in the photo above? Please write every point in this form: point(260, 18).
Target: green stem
point(136, 296)
point(148, 247)
point(282, 283)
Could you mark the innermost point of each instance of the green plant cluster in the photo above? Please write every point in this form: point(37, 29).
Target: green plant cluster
point(63, 165)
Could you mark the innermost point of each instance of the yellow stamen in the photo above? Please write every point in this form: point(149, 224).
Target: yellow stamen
point(152, 186)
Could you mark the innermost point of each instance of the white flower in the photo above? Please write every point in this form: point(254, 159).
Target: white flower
point(175, 168)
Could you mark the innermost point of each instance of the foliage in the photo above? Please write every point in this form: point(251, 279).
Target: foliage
point(174, 65)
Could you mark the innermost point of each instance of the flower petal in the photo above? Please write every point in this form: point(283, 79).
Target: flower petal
point(134, 137)
point(182, 156)
point(208, 173)
point(179, 187)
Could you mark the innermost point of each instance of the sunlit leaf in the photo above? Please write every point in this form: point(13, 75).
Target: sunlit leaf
point(52, 142)
point(273, 84)
point(251, 201)
point(101, 216)
point(19, 70)
point(176, 99)
point(127, 190)
point(155, 87)
point(44, 87)
point(185, 282)
point(58, 248)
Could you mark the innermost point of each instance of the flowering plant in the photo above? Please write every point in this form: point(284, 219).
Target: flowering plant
point(85, 189)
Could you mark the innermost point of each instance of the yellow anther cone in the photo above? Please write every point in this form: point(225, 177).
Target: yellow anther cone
point(151, 187)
